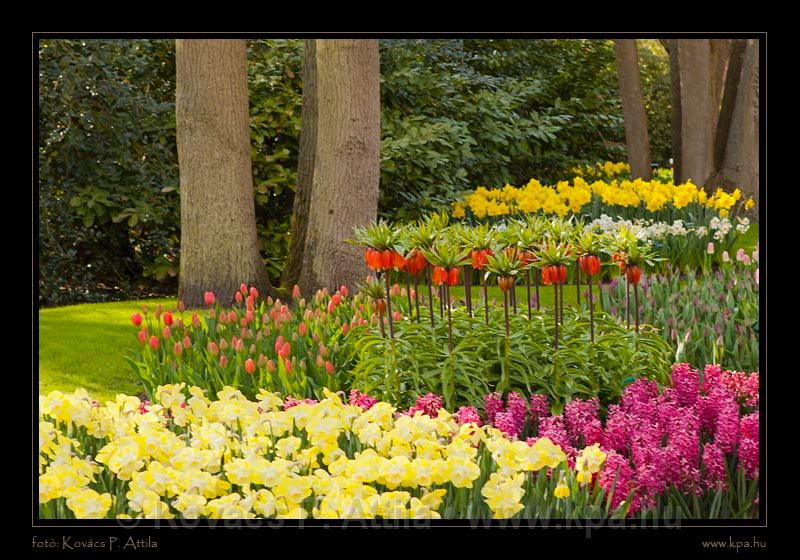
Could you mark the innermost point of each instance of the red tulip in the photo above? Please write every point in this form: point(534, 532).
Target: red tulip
point(243, 288)
point(168, 318)
point(238, 297)
point(143, 336)
point(136, 319)
point(167, 332)
point(154, 342)
point(452, 276)
point(249, 316)
point(178, 349)
point(209, 298)
point(288, 365)
point(634, 274)
point(250, 366)
point(223, 361)
point(329, 368)
point(345, 328)
point(213, 349)
point(187, 342)
point(440, 275)
point(343, 290)
point(253, 293)
point(302, 329)
point(296, 292)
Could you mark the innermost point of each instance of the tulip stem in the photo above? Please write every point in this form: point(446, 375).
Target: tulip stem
point(430, 295)
point(485, 297)
point(408, 293)
point(505, 310)
point(389, 304)
point(528, 291)
point(416, 295)
point(555, 312)
point(446, 288)
point(627, 302)
point(591, 307)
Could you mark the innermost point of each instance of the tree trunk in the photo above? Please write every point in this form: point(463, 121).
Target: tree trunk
point(630, 88)
point(219, 244)
point(346, 164)
point(305, 171)
point(720, 55)
point(675, 78)
point(740, 165)
point(732, 80)
point(697, 110)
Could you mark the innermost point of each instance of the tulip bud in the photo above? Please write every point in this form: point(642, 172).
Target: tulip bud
point(223, 361)
point(136, 319)
point(262, 360)
point(710, 248)
point(295, 292)
point(243, 288)
point(187, 342)
point(756, 276)
point(178, 349)
point(725, 256)
point(166, 333)
point(302, 329)
point(329, 368)
point(254, 293)
point(270, 366)
point(250, 366)
point(213, 349)
point(209, 298)
point(320, 362)
point(345, 328)
point(288, 365)
point(231, 316)
point(223, 344)
point(252, 349)
point(168, 318)
point(143, 336)
point(154, 342)
point(397, 316)
point(343, 290)
point(181, 305)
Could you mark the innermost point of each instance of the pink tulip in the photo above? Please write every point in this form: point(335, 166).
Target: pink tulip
point(178, 349)
point(288, 365)
point(213, 349)
point(740, 254)
point(756, 276)
point(250, 366)
point(223, 361)
point(209, 298)
point(343, 290)
point(243, 288)
point(302, 329)
point(187, 342)
point(253, 293)
point(136, 319)
point(238, 298)
point(329, 368)
point(154, 342)
point(296, 292)
point(166, 333)
point(271, 366)
point(710, 248)
point(143, 336)
point(746, 260)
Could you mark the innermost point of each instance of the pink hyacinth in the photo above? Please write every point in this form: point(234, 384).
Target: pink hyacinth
point(468, 414)
point(685, 381)
point(292, 402)
point(507, 423)
point(492, 404)
point(727, 427)
point(617, 473)
point(430, 404)
point(517, 407)
point(552, 427)
point(361, 399)
point(583, 422)
point(540, 406)
point(714, 464)
point(749, 444)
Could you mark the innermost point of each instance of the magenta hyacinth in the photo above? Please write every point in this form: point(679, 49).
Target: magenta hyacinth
point(468, 414)
point(361, 399)
point(492, 404)
point(714, 463)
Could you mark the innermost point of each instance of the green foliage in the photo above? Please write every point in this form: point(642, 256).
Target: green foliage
point(417, 360)
point(460, 113)
point(657, 90)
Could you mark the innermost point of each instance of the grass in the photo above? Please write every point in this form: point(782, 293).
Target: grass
point(545, 295)
point(84, 346)
point(748, 241)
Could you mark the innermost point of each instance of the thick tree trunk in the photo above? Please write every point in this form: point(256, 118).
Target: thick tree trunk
point(720, 55)
point(675, 78)
point(346, 165)
point(740, 166)
point(305, 172)
point(219, 244)
point(697, 110)
point(630, 88)
point(732, 81)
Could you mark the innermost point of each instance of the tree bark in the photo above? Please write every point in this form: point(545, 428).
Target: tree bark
point(346, 164)
point(630, 87)
point(305, 171)
point(720, 55)
point(219, 243)
point(697, 109)
point(732, 81)
point(740, 165)
point(675, 78)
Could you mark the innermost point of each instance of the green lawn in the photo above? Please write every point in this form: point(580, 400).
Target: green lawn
point(545, 294)
point(84, 346)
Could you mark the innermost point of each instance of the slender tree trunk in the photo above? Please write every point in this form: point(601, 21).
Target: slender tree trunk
point(740, 166)
point(675, 80)
point(219, 243)
point(697, 109)
point(728, 100)
point(346, 164)
point(635, 116)
point(305, 170)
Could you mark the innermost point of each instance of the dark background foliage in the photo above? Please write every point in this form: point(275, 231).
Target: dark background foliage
point(456, 114)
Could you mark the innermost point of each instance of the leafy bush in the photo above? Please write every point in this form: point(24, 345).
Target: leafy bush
point(417, 360)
